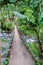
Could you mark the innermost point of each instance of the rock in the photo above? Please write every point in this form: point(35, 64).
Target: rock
point(0, 34)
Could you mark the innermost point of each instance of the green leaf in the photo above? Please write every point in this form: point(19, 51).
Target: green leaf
point(12, 0)
point(1, 1)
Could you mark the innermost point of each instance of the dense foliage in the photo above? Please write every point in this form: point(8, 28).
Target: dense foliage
point(29, 15)
point(6, 18)
point(34, 18)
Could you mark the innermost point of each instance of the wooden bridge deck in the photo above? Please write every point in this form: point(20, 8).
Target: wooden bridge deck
point(19, 54)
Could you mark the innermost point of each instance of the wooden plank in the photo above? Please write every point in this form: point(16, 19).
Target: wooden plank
point(19, 54)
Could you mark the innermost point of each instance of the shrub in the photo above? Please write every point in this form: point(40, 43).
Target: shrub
point(7, 26)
